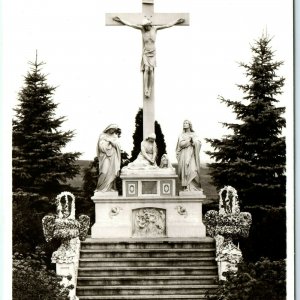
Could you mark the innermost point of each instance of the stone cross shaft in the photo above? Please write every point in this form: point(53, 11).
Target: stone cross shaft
point(157, 19)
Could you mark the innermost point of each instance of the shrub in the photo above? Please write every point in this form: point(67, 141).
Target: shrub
point(28, 211)
point(262, 280)
point(267, 237)
point(32, 280)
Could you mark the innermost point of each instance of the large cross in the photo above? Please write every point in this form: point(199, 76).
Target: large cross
point(157, 19)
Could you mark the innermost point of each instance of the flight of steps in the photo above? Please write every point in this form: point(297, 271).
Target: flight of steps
point(146, 269)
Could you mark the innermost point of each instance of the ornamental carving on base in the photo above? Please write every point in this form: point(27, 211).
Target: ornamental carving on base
point(149, 222)
point(115, 211)
point(181, 211)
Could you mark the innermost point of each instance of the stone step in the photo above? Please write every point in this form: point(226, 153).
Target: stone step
point(155, 243)
point(146, 280)
point(145, 290)
point(147, 253)
point(147, 271)
point(161, 268)
point(143, 297)
point(145, 262)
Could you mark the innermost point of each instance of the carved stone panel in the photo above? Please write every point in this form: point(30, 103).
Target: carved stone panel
point(166, 187)
point(149, 222)
point(131, 188)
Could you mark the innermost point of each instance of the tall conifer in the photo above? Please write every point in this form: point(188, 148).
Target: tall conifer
point(138, 138)
point(252, 158)
point(39, 165)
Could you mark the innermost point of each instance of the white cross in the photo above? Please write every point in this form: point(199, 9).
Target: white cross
point(157, 19)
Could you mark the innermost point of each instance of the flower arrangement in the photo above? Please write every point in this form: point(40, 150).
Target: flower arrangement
point(64, 209)
point(228, 221)
point(225, 225)
point(63, 226)
point(66, 229)
point(229, 226)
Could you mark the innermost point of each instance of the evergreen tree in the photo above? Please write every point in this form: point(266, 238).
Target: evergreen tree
point(138, 138)
point(39, 165)
point(90, 178)
point(160, 142)
point(252, 159)
point(137, 135)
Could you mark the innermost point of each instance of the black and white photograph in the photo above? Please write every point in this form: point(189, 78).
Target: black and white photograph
point(148, 149)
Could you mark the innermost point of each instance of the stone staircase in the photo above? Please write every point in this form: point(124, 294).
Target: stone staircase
point(146, 269)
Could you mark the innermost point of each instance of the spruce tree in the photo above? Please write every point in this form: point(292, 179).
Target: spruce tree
point(138, 138)
point(39, 165)
point(40, 170)
point(252, 159)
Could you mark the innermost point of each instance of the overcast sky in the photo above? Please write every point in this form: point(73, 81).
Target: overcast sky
point(96, 67)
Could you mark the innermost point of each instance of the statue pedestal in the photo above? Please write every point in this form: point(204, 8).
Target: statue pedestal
point(67, 260)
point(64, 270)
point(149, 183)
point(228, 256)
point(149, 208)
point(192, 194)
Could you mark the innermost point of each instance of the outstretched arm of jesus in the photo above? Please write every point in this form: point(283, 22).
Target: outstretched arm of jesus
point(119, 20)
point(179, 21)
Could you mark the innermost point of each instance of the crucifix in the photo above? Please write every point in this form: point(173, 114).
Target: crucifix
point(148, 23)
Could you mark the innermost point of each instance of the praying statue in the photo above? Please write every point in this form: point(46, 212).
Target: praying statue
point(188, 156)
point(147, 157)
point(109, 157)
point(148, 62)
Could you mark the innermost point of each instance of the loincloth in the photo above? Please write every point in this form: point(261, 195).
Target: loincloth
point(148, 59)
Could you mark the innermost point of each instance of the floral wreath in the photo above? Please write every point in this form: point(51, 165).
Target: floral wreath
point(234, 203)
point(59, 206)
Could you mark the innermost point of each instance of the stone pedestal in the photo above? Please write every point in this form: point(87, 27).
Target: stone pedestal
point(64, 270)
point(148, 208)
point(152, 183)
point(66, 259)
point(192, 194)
point(126, 217)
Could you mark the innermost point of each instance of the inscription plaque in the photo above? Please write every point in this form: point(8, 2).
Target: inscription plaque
point(149, 187)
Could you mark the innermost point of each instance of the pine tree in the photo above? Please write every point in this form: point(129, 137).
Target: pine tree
point(39, 168)
point(252, 159)
point(138, 138)
point(39, 165)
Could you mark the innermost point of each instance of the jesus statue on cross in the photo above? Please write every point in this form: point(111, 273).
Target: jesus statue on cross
point(148, 62)
point(148, 22)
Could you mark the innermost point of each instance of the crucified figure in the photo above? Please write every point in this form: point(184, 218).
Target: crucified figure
point(148, 62)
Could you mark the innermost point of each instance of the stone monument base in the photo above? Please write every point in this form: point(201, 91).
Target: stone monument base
point(149, 183)
point(150, 217)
